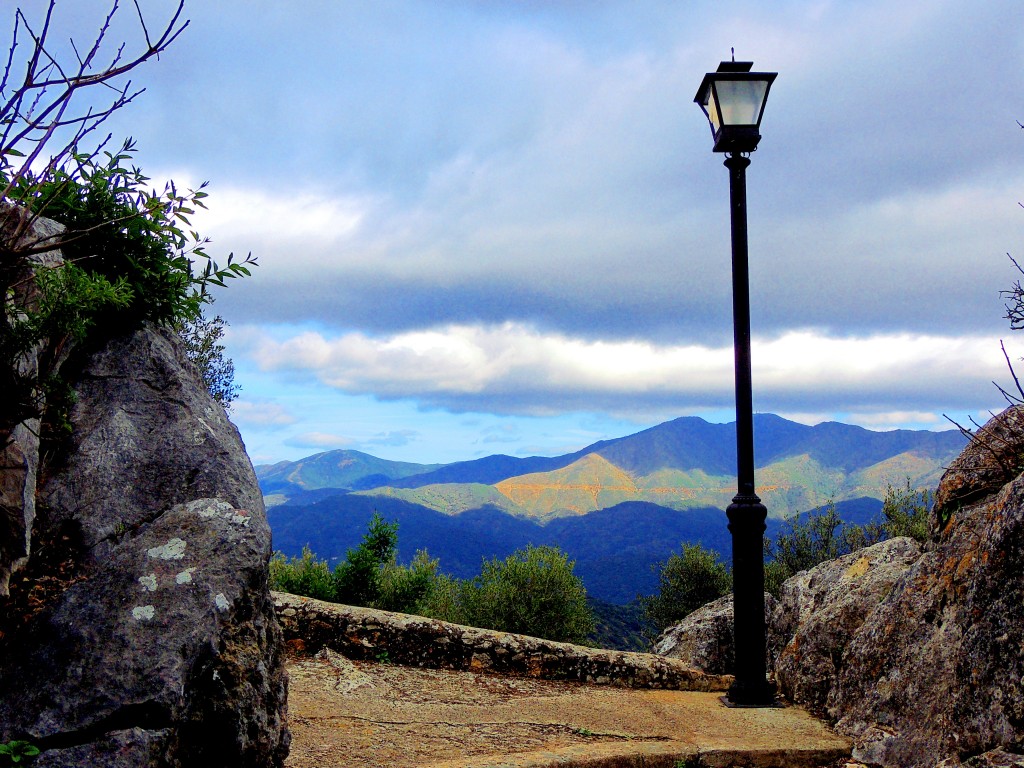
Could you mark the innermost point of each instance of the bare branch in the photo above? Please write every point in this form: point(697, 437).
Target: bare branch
point(1009, 365)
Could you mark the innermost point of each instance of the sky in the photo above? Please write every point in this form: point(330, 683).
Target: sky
point(499, 227)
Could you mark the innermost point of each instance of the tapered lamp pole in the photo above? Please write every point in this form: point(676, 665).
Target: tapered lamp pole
point(733, 98)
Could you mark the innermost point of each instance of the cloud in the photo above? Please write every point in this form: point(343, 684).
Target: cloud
point(395, 438)
point(545, 166)
point(317, 440)
point(514, 368)
point(261, 414)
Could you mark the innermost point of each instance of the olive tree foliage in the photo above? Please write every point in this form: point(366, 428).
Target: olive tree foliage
point(696, 576)
point(369, 576)
point(687, 580)
point(532, 592)
point(129, 253)
point(822, 535)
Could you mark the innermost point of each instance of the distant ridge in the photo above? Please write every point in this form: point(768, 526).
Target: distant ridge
point(680, 464)
point(617, 507)
point(351, 470)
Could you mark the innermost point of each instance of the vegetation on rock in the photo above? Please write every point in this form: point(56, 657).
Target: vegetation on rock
point(129, 254)
point(697, 576)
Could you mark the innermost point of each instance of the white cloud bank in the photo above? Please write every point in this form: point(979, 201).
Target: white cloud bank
point(514, 368)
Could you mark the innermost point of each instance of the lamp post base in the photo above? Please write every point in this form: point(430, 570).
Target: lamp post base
point(747, 524)
point(751, 696)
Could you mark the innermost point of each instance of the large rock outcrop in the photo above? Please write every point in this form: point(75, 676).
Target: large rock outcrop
point(937, 669)
point(822, 609)
point(20, 386)
point(917, 653)
point(162, 648)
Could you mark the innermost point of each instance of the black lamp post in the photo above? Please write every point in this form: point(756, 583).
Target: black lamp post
point(733, 99)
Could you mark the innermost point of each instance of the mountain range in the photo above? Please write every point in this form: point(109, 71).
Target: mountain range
point(618, 507)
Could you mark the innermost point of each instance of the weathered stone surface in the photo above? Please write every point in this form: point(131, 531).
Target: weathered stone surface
point(704, 639)
point(989, 462)
point(19, 441)
point(936, 670)
point(19, 464)
point(996, 758)
point(147, 436)
point(167, 652)
point(363, 633)
point(821, 609)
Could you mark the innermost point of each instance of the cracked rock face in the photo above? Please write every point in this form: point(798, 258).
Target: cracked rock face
point(167, 651)
point(821, 610)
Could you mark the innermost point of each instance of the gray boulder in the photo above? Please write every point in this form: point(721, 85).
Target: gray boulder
point(19, 465)
point(936, 670)
point(163, 649)
point(704, 639)
point(821, 609)
point(19, 429)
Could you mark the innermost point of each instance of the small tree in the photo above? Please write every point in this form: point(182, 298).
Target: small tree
point(407, 589)
point(906, 512)
point(307, 575)
point(532, 592)
point(128, 252)
point(819, 537)
point(686, 581)
point(202, 337)
point(357, 578)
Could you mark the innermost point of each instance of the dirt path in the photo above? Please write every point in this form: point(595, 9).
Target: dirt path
point(370, 715)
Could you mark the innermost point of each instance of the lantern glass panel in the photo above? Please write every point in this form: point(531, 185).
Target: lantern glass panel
point(740, 101)
point(711, 109)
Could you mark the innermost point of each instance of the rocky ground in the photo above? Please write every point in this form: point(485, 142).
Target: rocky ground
point(363, 714)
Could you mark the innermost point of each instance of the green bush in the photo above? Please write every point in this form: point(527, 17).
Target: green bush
point(357, 579)
point(532, 592)
point(906, 512)
point(686, 581)
point(120, 229)
point(307, 575)
point(407, 589)
point(369, 576)
point(16, 751)
point(202, 338)
point(803, 545)
point(128, 257)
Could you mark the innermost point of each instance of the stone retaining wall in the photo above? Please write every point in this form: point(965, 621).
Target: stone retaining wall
point(362, 633)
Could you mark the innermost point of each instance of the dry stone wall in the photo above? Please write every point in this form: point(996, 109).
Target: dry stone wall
point(361, 633)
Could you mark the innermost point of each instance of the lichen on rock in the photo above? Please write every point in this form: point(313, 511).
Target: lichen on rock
point(165, 650)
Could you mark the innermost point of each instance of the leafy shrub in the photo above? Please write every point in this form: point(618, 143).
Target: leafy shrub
point(120, 229)
point(906, 512)
point(16, 751)
point(686, 581)
point(129, 257)
point(369, 576)
point(407, 589)
point(357, 579)
point(202, 336)
point(307, 575)
point(532, 592)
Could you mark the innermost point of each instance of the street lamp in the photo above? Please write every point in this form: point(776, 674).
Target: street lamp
point(733, 99)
